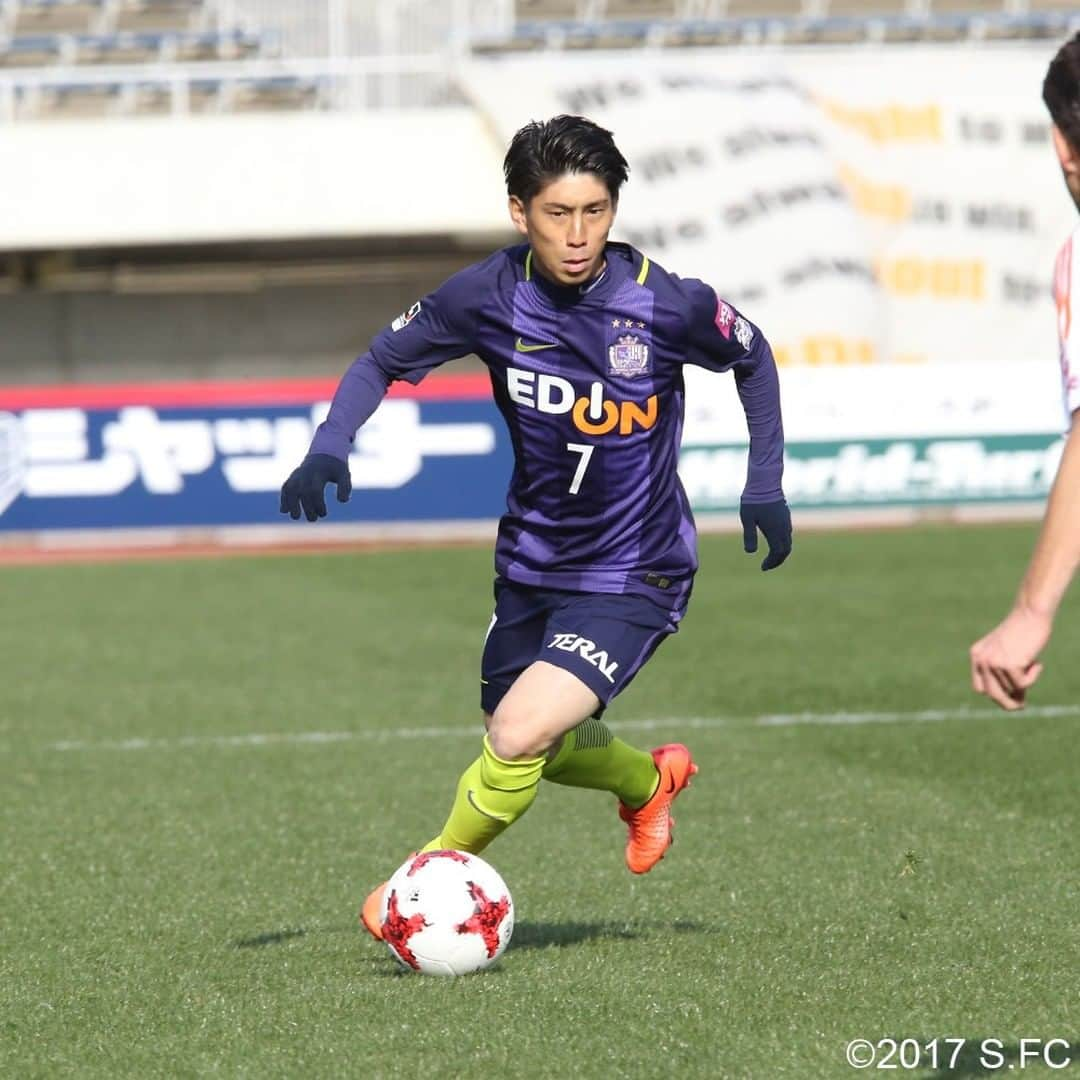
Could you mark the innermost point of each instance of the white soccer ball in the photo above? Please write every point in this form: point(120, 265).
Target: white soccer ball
point(446, 913)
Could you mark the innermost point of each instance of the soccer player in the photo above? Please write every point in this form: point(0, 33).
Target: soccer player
point(585, 341)
point(1005, 663)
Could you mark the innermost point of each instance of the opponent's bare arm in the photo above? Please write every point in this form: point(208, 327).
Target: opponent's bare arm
point(1005, 663)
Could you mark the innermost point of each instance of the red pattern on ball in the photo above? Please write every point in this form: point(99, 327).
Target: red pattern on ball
point(425, 857)
point(397, 930)
point(486, 919)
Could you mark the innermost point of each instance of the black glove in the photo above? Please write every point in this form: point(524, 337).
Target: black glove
point(306, 487)
point(774, 520)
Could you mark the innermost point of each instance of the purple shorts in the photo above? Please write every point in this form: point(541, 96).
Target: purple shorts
point(602, 638)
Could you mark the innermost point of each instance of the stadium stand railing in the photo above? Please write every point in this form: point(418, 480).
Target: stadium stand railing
point(131, 47)
point(180, 89)
point(70, 58)
point(605, 24)
point(61, 59)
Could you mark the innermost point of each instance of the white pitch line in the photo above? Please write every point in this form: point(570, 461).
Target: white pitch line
point(921, 717)
point(652, 724)
point(264, 739)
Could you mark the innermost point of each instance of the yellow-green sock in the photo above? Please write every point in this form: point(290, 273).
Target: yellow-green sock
point(592, 757)
point(491, 795)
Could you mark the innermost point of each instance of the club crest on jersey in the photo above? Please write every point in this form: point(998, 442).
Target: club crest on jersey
point(628, 357)
point(405, 318)
point(743, 333)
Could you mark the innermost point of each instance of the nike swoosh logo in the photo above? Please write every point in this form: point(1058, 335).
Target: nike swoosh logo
point(479, 809)
point(670, 785)
point(520, 346)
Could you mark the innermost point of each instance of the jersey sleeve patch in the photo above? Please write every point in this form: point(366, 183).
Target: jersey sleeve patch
point(725, 317)
point(405, 318)
point(728, 323)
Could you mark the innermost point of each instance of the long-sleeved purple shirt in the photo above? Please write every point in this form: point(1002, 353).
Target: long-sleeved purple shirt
point(589, 380)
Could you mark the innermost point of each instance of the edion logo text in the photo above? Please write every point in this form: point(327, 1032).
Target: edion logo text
point(592, 414)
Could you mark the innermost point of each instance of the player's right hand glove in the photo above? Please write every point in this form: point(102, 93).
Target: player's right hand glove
point(774, 520)
point(306, 486)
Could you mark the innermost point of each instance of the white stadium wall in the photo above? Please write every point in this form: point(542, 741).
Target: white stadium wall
point(224, 178)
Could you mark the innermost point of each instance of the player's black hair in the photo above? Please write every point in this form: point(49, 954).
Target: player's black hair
point(1061, 91)
point(544, 150)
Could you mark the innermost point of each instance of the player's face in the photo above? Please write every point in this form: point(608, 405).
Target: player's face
point(567, 224)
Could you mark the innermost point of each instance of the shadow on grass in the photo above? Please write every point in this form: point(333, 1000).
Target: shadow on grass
point(988, 1056)
point(272, 937)
point(556, 935)
point(282, 937)
point(534, 935)
point(527, 935)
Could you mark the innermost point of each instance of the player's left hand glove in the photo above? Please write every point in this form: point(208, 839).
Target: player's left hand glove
point(774, 521)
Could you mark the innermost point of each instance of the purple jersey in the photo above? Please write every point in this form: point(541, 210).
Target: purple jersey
point(589, 381)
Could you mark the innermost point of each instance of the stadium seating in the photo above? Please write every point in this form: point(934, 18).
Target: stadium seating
point(97, 16)
point(567, 11)
point(37, 36)
point(639, 9)
point(70, 98)
point(868, 8)
point(48, 48)
point(125, 48)
point(44, 16)
point(967, 7)
point(159, 14)
point(750, 9)
point(32, 51)
point(548, 9)
point(626, 23)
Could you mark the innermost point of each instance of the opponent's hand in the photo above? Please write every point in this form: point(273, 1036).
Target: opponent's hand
point(1005, 663)
point(774, 521)
point(306, 486)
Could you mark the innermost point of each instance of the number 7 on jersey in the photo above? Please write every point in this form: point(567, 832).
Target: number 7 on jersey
point(583, 464)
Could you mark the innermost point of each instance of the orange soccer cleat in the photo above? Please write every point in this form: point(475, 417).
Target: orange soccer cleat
point(372, 910)
point(649, 832)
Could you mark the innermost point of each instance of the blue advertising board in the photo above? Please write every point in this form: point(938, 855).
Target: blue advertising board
point(216, 454)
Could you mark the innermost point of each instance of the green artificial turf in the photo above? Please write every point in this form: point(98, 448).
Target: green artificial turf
point(180, 900)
